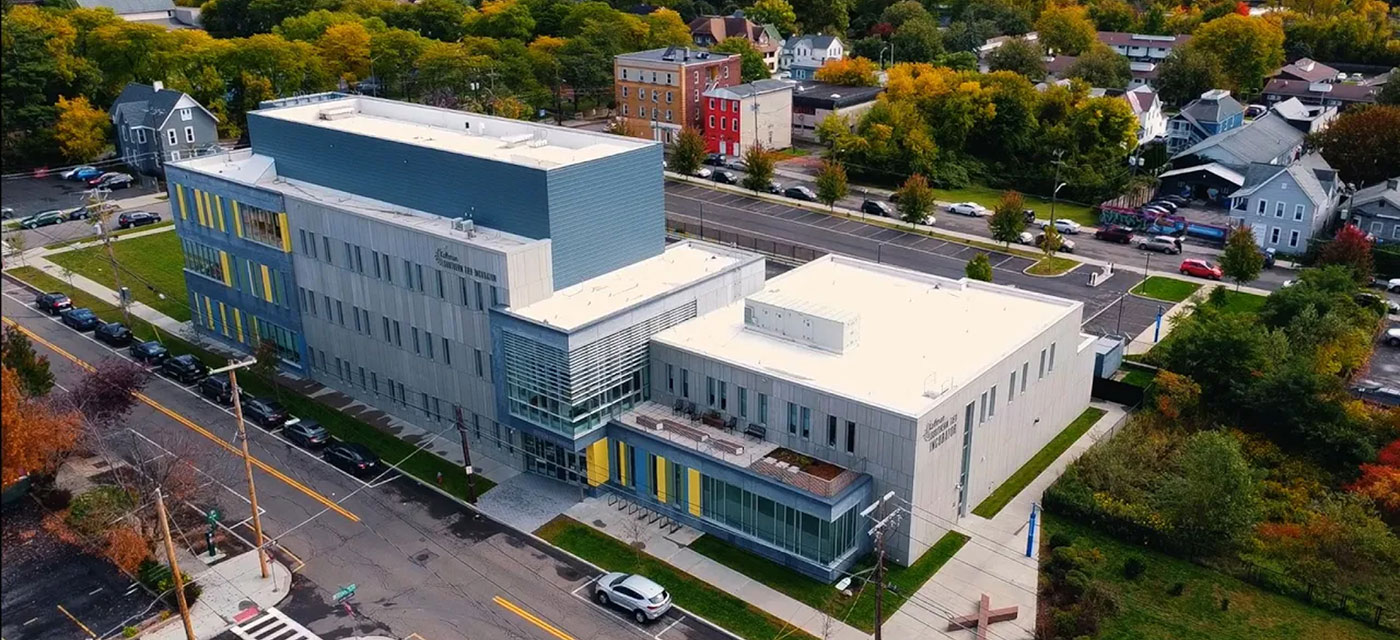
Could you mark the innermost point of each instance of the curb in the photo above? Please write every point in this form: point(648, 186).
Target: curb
point(1027, 270)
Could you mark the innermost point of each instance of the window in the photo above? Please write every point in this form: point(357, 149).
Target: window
point(792, 418)
point(418, 274)
point(349, 256)
point(668, 99)
point(428, 338)
point(388, 269)
point(171, 137)
point(189, 134)
point(174, 155)
point(441, 291)
point(850, 436)
point(480, 302)
point(685, 384)
point(141, 136)
point(668, 115)
point(415, 340)
point(186, 114)
point(340, 313)
point(712, 120)
point(203, 260)
point(992, 404)
point(359, 260)
point(374, 258)
point(261, 226)
point(734, 126)
point(743, 402)
point(671, 378)
point(624, 105)
point(1025, 375)
point(1278, 209)
point(398, 335)
point(806, 423)
point(709, 391)
point(408, 274)
point(1011, 388)
point(355, 313)
point(1395, 232)
point(1274, 234)
point(326, 245)
point(712, 103)
point(831, 431)
point(1042, 365)
point(763, 408)
point(1263, 207)
point(982, 413)
point(1052, 364)
point(386, 327)
point(723, 396)
point(1293, 238)
point(446, 352)
point(477, 355)
point(624, 89)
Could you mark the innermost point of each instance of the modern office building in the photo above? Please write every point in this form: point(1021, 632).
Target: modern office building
point(435, 264)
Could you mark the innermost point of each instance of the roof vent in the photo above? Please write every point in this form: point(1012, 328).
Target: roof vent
point(1320, 87)
point(336, 113)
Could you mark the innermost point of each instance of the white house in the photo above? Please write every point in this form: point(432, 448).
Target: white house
point(803, 55)
point(1147, 106)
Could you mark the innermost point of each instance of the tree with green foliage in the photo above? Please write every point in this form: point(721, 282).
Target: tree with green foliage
point(1363, 144)
point(1113, 15)
point(778, 13)
point(1201, 338)
point(1242, 260)
point(918, 40)
point(1066, 30)
point(1103, 67)
point(502, 19)
point(823, 16)
point(758, 168)
point(1051, 241)
point(979, 268)
point(31, 369)
point(904, 11)
point(1212, 500)
point(916, 199)
point(81, 130)
point(1007, 220)
point(1186, 73)
point(1390, 92)
point(751, 64)
point(831, 183)
point(1353, 250)
point(1249, 48)
point(1021, 56)
point(688, 152)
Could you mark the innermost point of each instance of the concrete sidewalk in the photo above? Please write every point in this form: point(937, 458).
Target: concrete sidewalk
point(230, 587)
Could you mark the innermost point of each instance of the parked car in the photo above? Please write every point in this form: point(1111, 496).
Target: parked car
point(736, 164)
point(1255, 110)
point(877, 207)
point(724, 177)
point(1376, 393)
point(714, 160)
point(85, 173)
point(268, 414)
point(79, 213)
point(1392, 336)
point(99, 178)
point(1066, 245)
point(800, 192)
point(119, 181)
point(219, 389)
point(150, 352)
point(308, 434)
point(136, 219)
point(1115, 233)
point(80, 319)
point(72, 174)
point(6, 213)
point(1200, 269)
point(1381, 304)
point(1270, 257)
point(1393, 285)
point(352, 458)
point(1179, 200)
point(53, 302)
point(1155, 210)
point(640, 596)
point(184, 368)
point(1068, 227)
point(1160, 244)
point(1165, 204)
point(775, 188)
point(702, 172)
point(1025, 237)
point(968, 209)
point(43, 219)
point(113, 333)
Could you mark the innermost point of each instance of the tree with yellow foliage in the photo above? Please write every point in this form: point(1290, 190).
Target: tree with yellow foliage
point(81, 129)
point(852, 72)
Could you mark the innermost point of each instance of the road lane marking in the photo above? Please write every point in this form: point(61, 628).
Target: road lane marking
point(327, 502)
point(77, 622)
point(529, 617)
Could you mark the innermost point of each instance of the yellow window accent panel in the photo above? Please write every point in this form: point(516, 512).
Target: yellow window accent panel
point(238, 323)
point(237, 224)
point(257, 337)
point(219, 208)
point(661, 493)
point(208, 211)
point(267, 284)
point(286, 234)
point(598, 462)
point(180, 195)
point(208, 313)
point(228, 273)
point(198, 208)
point(223, 318)
point(622, 464)
point(694, 485)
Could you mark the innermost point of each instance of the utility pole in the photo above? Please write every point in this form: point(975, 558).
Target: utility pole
point(466, 459)
point(232, 370)
point(1055, 193)
point(98, 208)
point(880, 529)
point(174, 567)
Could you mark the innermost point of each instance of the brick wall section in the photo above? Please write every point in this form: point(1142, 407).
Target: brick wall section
point(804, 480)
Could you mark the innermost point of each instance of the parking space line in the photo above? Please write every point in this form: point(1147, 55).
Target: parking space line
point(531, 618)
point(613, 613)
point(668, 627)
point(585, 585)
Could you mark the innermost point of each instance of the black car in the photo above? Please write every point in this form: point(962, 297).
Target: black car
point(267, 414)
point(1115, 233)
point(113, 333)
point(184, 368)
point(136, 219)
point(724, 177)
point(53, 303)
point(151, 352)
point(218, 389)
point(113, 181)
point(800, 193)
point(714, 160)
point(81, 213)
point(81, 319)
point(774, 188)
point(878, 208)
point(307, 433)
point(355, 459)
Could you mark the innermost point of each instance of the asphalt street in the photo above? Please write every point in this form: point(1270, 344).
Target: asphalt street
point(422, 563)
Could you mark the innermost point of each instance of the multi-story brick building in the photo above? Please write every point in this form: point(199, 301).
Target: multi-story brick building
point(737, 117)
point(658, 91)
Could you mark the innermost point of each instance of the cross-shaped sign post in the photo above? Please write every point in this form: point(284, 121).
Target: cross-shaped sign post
point(984, 617)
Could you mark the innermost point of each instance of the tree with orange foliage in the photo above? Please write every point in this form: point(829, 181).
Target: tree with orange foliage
point(1177, 397)
point(32, 434)
point(852, 72)
point(126, 547)
point(1380, 481)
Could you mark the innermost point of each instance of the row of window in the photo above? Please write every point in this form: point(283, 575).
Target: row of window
point(731, 123)
point(1261, 208)
point(799, 417)
point(1020, 379)
point(220, 318)
point(1377, 229)
point(655, 94)
point(411, 275)
point(250, 223)
point(725, 105)
point(642, 112)
point(250, 277)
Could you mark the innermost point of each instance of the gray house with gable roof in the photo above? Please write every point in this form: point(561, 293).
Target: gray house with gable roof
point(154, 125)
point(1376, 209)
point(1287, 204)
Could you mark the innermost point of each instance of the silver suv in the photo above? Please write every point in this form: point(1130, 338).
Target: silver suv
point(1163, 244)
point(645, 599)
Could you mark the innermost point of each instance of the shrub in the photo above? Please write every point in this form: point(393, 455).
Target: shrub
point(158, 578)
point(92, 513)
point(1060, 539)
point(130, 631)
point(1133, 567)
point(1176, 589)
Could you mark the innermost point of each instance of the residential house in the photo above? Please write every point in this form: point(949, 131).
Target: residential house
point(1331, 94)
point(708, 31)
point(812, 102)
point(1213, 113)
point(737, 117)
point(1307, 70)
point(992, 44)
point(1376, 209)
point(1286, 205)
point(1144, 74)
point(658, 91)
point(159, 12)
point(803, 55)
point(1147, 106)
point(1141, 47)
point(154, 125)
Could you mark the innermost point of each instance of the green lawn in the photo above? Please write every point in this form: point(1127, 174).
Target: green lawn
point(1242, 302)
point(1147, 611)
point(424, 465)
point(115, 234)
point(1139, 377)
point(687, 591)
point(822, 596)
point(1166, 289)
point(1013, 485)
point(149, 262)
point(1052, 266)
point(988, 197)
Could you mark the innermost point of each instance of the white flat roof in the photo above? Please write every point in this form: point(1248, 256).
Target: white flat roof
point(470, 134)
point(919, 335)
point(681, 264)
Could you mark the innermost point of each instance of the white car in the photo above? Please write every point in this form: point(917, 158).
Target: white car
point(703, 172)
point(968, 209)
point(1025, 237)
point(1392, 336)
point(644, 599)
point(1393, 285)
point(1064, 226)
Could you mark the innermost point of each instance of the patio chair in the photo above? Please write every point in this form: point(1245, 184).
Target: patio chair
point(677, 408)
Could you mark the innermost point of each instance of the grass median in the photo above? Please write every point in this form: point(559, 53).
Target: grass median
point(1052, 266)
point(1165, 289)
point(1032, 469)
point(152, 266)
point(694, 594)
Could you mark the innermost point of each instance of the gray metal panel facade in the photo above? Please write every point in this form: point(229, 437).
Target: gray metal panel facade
point(606, 214)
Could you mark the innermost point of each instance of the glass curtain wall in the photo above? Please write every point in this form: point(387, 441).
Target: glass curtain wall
point(777, 524)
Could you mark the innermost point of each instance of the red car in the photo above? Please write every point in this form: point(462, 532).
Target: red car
point(1200, 269)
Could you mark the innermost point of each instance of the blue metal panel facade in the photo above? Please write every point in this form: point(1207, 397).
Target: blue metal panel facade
point(197, 203)
point(606, 214)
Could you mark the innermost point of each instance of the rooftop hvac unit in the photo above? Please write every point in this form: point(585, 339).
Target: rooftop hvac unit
point(336, 113)
point(516, 140)
point(465, 225)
